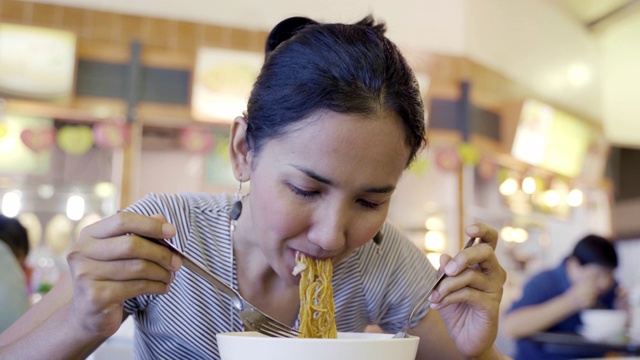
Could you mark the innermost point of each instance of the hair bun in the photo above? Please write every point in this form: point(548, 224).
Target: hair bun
point(285, 30)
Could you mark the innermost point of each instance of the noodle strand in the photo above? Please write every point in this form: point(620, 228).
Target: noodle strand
point(317, 319)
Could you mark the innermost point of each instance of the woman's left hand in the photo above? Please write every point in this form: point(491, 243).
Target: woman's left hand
point(468, 299)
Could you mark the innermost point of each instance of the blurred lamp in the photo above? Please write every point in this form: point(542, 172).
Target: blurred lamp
point(575, 198)
point(434, 223)
point(551, 198)
point(529, 185)
point(11, 204)
point(104, 190)
point(434, 241)
point(46, 191)
point(75, 207)
point(434, 259)
point(508, 187)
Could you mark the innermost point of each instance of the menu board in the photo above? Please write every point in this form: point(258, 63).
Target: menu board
point(222, 83)
point(36, 62)
point(551, 139)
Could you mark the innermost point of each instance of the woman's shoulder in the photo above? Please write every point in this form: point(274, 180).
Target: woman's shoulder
point(186, 202)
point(393, 252)
point(392, 244)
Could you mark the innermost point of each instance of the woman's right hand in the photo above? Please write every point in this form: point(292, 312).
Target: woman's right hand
point(109, 264)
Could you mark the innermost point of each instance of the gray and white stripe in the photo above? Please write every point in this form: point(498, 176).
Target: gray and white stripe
point(369, 287)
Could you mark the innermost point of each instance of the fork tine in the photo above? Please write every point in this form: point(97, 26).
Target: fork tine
point(276, 325)
point(251, 317)
point(278, 328)
point(270, 329)
point(273, 333)
point(262, 323)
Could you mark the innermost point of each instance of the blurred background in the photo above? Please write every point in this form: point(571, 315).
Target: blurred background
point(532, 107)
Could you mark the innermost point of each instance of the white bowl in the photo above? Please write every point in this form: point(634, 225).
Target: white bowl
point(598, 324)
point(348, 346)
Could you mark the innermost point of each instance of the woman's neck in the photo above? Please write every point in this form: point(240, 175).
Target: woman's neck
point(254, 272)
point(258, 283)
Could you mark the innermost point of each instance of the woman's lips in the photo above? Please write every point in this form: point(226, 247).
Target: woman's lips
point(312, 256)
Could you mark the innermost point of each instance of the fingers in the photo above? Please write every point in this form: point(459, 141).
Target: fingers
point(487, 235)
point(124, 270)
point(481, 254)
point(126, 247)
point(127, 222)
point(471, 284)
point(110, 259)
point(103, 294)
point(474, 274)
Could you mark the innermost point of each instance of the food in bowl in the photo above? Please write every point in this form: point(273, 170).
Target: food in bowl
point(347, 346)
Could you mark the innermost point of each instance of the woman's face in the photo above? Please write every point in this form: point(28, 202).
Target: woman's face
point(324, 188)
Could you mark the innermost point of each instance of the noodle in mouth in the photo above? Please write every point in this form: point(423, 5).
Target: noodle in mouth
point(317, 319)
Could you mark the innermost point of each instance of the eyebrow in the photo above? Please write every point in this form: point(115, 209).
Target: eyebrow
point(312, 174)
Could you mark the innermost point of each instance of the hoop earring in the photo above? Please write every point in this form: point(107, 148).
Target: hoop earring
point(236, 207)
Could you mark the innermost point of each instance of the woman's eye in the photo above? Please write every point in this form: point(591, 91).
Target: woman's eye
point(303, 193)
point(369, 204)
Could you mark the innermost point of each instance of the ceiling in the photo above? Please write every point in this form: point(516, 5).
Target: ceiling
point(591, 11)
point(406, 18)
point(263, 14)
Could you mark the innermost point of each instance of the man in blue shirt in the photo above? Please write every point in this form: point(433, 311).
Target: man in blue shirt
point(552, 300)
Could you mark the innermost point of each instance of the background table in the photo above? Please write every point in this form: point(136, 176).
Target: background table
point(563, 343)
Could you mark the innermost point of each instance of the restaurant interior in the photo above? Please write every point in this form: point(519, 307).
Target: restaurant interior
point(529, 104)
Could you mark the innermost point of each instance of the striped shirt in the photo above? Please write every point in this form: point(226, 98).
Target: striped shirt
point(370, 286)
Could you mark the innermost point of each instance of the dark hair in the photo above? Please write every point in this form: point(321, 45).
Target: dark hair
point(345, 68)
point(594, 249)
point(15, 235)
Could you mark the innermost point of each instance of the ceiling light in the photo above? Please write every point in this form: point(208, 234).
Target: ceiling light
point(551, 198)
point(578, 74)
point(508, 187)
point(575, 198)
point(434, 241)
point(75, 207)
point(11, 203)
point(529, 185)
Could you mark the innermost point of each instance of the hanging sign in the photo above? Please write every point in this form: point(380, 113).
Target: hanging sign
point(36, 62)
point(75, 140)
point(196, 141)
point(111, 136)
point(38, 140)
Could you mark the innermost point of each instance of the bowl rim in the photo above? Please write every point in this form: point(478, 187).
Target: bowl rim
point(357, 337)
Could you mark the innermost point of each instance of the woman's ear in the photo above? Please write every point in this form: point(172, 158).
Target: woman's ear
point(238, 150)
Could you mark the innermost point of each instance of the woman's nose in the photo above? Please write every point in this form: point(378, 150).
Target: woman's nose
point(329, 232)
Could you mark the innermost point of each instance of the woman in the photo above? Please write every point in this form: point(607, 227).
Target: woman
point(334, 118)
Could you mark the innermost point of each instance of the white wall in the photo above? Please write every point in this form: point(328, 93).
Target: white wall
point(621, 86)
point(536, 44)
point(422, 193)
point(628, 273)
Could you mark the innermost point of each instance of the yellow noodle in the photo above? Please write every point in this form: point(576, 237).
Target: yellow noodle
point(317, 309)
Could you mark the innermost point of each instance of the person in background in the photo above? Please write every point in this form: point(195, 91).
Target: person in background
point(552, 300)
point(14, 248)
point(333, 120)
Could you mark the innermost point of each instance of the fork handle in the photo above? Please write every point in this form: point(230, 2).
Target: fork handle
point(235, 297)
point(424, 299)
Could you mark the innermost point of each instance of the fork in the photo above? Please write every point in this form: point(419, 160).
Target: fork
point(252, 318)
point(404, 333)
